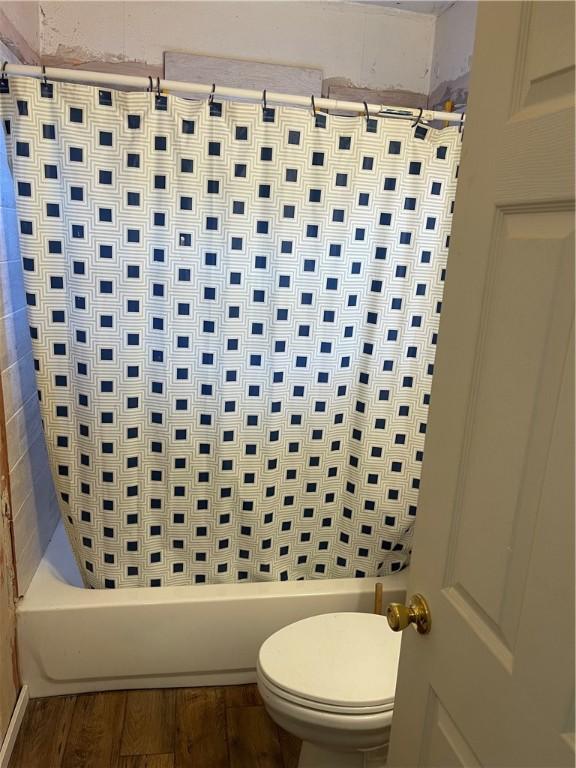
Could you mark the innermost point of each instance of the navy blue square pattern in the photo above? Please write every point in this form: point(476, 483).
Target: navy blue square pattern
point(233, 316)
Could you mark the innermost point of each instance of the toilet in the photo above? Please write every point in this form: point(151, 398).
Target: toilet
point(330, 681)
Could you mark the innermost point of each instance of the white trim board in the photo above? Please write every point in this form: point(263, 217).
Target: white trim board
point(14, 727)
point(239, 73)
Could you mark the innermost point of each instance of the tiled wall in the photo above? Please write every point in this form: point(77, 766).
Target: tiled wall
point(34, 505)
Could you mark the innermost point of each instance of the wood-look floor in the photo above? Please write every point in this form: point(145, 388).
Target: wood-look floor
point(168, 728)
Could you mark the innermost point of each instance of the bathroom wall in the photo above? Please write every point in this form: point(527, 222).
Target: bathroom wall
point(356, 43)
point(20, 29)
point(34, 505)
point(9, 677)
point(452, 55)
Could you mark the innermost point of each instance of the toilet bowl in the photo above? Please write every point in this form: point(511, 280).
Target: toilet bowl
point(330, 681)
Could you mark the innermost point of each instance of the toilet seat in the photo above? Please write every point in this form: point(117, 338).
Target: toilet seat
point(342, 663)
point(318, 706)
point(320, 721)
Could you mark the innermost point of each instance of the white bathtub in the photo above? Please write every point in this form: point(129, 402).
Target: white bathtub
point(76, 640)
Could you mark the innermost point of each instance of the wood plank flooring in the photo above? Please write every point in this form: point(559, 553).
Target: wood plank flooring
point(169, 728)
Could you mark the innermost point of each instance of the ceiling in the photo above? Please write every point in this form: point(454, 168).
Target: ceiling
point(416, 6)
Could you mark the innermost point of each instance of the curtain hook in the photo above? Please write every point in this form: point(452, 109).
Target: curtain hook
point(367, 112)
point(150, 84)
point(461, 123)
point(313, 105)
point(158, 91)
point(264, 100)
point(417, 121)
point(4, 64)
point(211, 96)
point(44, 74)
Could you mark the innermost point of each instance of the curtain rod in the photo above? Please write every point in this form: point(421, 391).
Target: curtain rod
point(269, 97)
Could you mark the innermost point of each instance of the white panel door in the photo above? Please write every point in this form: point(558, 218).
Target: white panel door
point(493, 682)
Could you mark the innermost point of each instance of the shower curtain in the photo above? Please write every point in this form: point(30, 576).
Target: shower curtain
point(233, 311)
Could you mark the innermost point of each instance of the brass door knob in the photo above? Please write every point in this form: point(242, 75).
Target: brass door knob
point(416, 612)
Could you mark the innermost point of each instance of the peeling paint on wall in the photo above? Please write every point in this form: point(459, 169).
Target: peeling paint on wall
point(77, 54)
point(454, 90)
point(384, 48)
point(453, 51)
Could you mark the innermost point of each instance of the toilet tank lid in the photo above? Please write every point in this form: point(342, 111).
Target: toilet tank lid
point(347, 659)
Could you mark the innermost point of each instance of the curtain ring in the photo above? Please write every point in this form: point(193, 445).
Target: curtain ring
point(211, 96)
point(264, 100)
point(313, 105)
point(3, 73)
point(367, 112)
point(158, 91)
point(415, 123)
point(461, 123)
point(150, 84)
point(44, 74)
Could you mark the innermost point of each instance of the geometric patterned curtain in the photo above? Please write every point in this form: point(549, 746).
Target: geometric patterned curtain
point(233, 314)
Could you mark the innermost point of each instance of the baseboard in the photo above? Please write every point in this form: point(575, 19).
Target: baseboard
point(14, 727)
